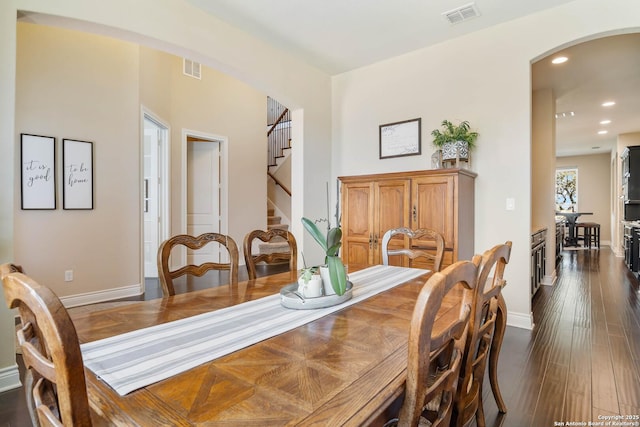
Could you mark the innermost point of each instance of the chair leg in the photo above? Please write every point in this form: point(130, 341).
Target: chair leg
point(494, 352)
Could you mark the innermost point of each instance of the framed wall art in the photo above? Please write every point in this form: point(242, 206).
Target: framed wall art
point(77, 163)
point(38, 171)
point(400, 139)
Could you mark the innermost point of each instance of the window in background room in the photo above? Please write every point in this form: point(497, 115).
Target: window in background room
point(567, 190)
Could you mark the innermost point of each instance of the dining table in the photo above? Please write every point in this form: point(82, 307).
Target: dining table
point(343, 368)
point(572, 218)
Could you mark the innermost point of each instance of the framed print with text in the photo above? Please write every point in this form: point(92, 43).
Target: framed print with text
point(77, 163)
point(38, 171)
point(400, 139)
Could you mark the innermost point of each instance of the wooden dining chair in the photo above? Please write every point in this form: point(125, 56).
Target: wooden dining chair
point(436, 347)
point(273, 235)
point(433, 252)
point(51, 353)
point(167, 275)
point(468, 402)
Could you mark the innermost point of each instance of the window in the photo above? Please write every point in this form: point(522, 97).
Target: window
point(567, 190)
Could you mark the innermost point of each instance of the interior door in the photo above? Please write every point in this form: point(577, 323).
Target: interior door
point(152, 137)
point(203, 196)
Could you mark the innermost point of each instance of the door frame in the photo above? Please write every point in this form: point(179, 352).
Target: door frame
point(224, 167)
point(164, 187)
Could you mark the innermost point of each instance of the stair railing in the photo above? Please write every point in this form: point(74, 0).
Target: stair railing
point(278, 137)
point(278, 182)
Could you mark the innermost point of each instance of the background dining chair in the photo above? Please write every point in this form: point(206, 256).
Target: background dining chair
point(273, 235)
point(468, 402)
point(436, 349)
point(433, 252)
point(51, 352)
point(167, 275)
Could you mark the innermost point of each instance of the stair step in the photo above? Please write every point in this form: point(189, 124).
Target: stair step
point(273, 247)
point(280, 226)
point(273, 220)
point(271, 211)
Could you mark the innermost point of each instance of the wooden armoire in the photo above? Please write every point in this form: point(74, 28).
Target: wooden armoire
point(440, 199)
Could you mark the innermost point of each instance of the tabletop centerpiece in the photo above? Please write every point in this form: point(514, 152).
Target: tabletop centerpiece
point(334, 271)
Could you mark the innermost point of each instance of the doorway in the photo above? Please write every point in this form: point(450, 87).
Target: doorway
point(155, 190)
point(205, 193)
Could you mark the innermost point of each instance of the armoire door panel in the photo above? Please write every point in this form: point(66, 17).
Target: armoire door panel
point(393, 204)
point(359, 200)
point(356, 253)
point(392, 207)
point(433, 204)
point(357, 219)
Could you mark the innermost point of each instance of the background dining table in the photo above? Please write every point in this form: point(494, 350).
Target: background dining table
point(572, 218)
point(342, 369)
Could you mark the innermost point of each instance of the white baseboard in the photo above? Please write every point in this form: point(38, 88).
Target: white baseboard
point(549, 279)
point(102, 296)
point(9, 378)
point(520, 320)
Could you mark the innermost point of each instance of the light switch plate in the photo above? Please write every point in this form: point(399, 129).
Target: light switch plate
point(511, 204)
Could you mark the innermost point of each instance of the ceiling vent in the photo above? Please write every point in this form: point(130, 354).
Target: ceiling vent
point(462, 13)
point(191, 68)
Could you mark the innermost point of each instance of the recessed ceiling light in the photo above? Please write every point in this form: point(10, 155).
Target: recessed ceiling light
point(559, 60)
point(565, 114)
point(602, 132)
point(608, 103)
point(605, 122)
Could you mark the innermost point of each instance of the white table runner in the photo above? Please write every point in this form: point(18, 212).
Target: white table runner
point(136, 359)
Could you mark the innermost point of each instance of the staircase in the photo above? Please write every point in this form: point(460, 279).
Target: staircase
point(278, 171)
point(278, 244)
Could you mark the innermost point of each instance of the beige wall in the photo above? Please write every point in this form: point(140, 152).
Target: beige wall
point(492, 89)
point(594, 189)
point(8, 369)
point(543, 148)
point(74, 85)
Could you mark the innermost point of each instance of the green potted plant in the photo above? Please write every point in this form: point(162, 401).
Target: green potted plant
point(455, 141)
point(330, 244)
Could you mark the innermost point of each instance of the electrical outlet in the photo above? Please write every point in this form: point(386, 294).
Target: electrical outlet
point(68, 276)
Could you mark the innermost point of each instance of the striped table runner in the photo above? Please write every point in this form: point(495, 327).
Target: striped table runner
point(136, 359)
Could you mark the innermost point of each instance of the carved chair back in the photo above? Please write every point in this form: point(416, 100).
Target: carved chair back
point(51, 352)
point(432, 251)
point(195, 243)
point(481, 334)
point(273, 235)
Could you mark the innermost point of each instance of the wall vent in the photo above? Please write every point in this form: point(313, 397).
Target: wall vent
point(462, 13)
point(191, 68)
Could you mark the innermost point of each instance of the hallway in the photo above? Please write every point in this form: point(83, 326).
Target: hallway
point(582, 360)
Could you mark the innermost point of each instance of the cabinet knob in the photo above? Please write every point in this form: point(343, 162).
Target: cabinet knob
point(415, 214)
point(370, 241)
point(375, 241)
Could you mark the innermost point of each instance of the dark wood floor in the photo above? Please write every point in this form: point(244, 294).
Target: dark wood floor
point(581, 361)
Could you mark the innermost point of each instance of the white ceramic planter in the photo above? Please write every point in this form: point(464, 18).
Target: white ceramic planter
point(311, 289)
point(326, 280)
